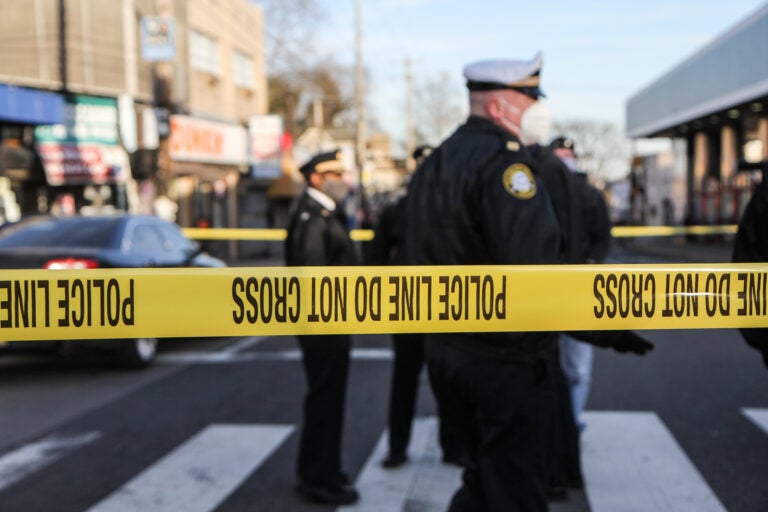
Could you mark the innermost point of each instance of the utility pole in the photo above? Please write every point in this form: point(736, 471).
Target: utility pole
point(360, 155)
point(318, 121)
point(410, 138)
point(63, 46)
point(359, 89)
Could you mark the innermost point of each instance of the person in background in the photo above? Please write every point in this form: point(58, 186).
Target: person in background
point(386, 248)
point(592, 241)
point(585, 237)
point(751, 244)
point(318, 236)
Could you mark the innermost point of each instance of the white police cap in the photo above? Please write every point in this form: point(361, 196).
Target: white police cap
point(520, 75)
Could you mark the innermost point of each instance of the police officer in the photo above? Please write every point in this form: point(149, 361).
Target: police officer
point(317, 235)
point(477, 200)
point(591, 242)
point(387, 248)
point(585, 237)
point(751, 244)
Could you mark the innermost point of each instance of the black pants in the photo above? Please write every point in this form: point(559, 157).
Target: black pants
point(409, 358)
point(326, 366)
point(499, 407)
point(561, 440)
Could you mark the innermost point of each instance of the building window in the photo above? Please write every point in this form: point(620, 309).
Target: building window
point(242, 66)
point(203, 53)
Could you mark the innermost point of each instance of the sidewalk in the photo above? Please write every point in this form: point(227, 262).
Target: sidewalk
point(704, 249)
point(679, 249)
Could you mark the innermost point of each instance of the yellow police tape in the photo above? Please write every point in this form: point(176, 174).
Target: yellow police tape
point(274, 235)
point(130, 303)
point(366, 235)
point(639, 231)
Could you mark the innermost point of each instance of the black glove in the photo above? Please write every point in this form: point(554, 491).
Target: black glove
point(765, 356)
point(621, 341)
point(628, 341)
point(757, 338)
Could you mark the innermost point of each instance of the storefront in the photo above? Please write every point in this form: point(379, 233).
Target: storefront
point(717, 102)
point(86, 168)
point(204, 164)
point(22, 178)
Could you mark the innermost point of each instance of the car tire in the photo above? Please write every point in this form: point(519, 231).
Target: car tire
point(137, 353)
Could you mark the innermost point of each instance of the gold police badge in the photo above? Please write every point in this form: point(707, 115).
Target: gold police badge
point(519, 182)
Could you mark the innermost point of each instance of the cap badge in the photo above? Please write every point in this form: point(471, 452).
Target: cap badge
point(519, 182)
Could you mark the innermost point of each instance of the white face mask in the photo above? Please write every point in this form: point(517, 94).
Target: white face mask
point(570, 163)
point(335, 189)
point(535, 123)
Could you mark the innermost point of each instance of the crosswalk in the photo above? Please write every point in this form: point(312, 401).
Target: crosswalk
point(631, 461)
point(201, 473)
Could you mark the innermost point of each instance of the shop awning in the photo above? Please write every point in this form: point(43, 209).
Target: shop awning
point(29, 106)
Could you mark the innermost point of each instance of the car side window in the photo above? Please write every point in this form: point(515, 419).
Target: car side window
point(145, 240)
point(175, 240)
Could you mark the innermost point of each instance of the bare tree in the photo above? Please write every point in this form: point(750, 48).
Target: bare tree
point(603, 150)
point(289, 29)
point(298, 74)
point(438, 109)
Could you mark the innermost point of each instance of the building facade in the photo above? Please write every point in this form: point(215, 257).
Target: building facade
point(717, 102)
point(156, 95)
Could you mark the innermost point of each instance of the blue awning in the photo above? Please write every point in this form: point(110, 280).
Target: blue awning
point(29, 106)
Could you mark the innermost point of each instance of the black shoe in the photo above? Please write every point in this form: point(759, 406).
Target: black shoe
point(338, 494)
point(394, 460)
point(557, 493)
point(454, 460)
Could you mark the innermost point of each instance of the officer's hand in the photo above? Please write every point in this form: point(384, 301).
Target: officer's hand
point(764, 352)
point(628, 341)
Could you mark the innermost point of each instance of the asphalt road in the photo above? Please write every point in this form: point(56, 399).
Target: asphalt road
point(213, 426)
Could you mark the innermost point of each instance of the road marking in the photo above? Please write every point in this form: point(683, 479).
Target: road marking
point(244, 343)
point(424, 483)
point(632, 463)
point(374, 354)
point(758, 416)
point(201, 473)
point(19, 464)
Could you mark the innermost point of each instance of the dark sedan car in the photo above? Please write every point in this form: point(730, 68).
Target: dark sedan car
point(114, 241)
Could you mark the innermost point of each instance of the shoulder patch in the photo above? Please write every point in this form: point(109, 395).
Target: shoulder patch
point(519, 182)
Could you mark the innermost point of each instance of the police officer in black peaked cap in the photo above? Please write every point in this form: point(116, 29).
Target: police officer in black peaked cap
point(317, 236)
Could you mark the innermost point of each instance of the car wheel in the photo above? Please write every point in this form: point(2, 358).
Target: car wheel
point(137, 353)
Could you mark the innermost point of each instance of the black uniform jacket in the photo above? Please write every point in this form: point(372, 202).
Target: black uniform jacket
point(751, 244)
point(476, 201)
point(386, 246)
point(585, 226)
point(318, 236)
point(594, 242)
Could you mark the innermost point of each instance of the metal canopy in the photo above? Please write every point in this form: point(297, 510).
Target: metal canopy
point(730, 71)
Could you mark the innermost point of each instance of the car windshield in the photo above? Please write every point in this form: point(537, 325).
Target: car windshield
point(75, 232)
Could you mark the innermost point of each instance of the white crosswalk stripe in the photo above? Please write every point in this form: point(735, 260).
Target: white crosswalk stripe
point(424, 483)
point(279, 355)
point(758, 416)
point(632, 463)
point(201, 473)
point(21, 463)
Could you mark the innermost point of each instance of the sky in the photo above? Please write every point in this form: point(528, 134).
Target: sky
point(597, 54)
